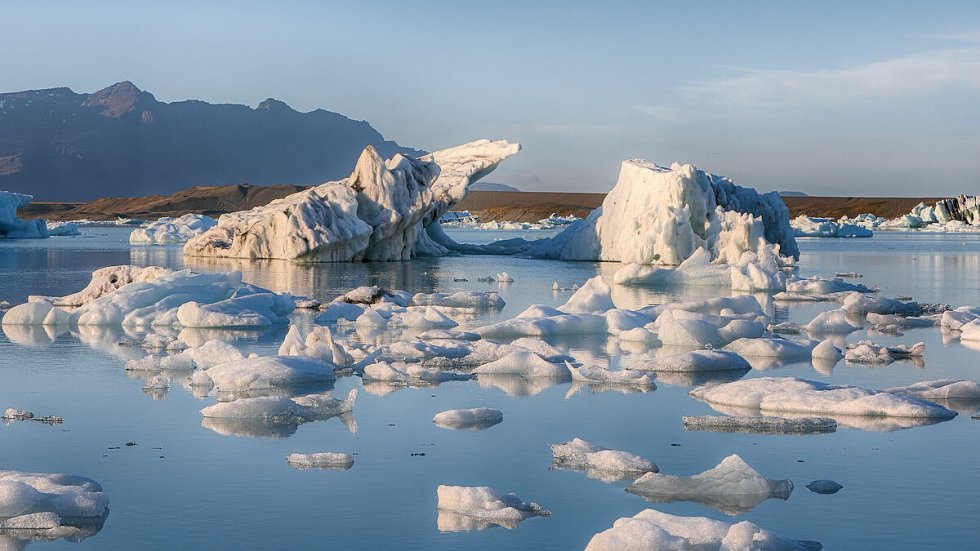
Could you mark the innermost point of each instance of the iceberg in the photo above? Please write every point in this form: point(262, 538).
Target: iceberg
point(732, 487)
point(800, 396)
point(62, 229)
point(598, 462)
point(805, 226)
point(651, 530)
point(322, 460)
point(659, 215)
point(172, 230)
point(105, 281)
point(67, 497)
point(526, 364)
point(12, 227)
point(380, 212)
point(265, 372)
point(469, 508)
point(689, 362)
point(760, 424)
point(470, 419)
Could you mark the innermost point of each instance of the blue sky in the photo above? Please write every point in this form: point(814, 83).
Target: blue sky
point(870, 98)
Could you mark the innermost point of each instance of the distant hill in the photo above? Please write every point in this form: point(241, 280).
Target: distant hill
point(792, 194)
point(59, 145)
point(491, 186)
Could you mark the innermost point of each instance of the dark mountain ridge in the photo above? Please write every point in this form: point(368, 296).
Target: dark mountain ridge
point(120, 141)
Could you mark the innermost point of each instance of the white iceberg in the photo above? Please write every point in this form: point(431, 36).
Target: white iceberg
point(468, 508)
point(689, 362)
point(378, 213)
point(12, 227)
point(67, 496)
point(266, 372)
point(594, 297)
point(105, 281)
point(598, 462)
point(172, 230)
point(470, 419)
point(651, 530)
point(731, 487)
point(62, 229)
point(805, 226)
point(783, 349)
point(526, 364)
point(321, 460)
point(867, 352)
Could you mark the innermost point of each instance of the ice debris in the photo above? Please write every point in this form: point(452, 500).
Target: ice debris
point(469, 508)
point(598, 462)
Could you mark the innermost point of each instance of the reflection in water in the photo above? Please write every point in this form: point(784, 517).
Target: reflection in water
point(451, 521)
point(34, 335)
point(517, 386)
point(73, 529)
point(265, 428)
point(730, 504)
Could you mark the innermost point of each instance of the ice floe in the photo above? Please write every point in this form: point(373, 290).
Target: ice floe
point(689, 362)
point(469, 508)
point(940, 389)
point(172, 230)
point(651, 530)
point(596, 374)
point(65, 498)
point(468, 419)
point(732, 487)
point(867, 352)
point(265, 372)
point(598, 462)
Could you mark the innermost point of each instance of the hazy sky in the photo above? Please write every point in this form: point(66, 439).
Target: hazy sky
point(869, 98)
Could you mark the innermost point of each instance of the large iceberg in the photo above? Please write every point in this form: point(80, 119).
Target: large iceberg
point(659, 215)
point(13, 227)
point(378, 213)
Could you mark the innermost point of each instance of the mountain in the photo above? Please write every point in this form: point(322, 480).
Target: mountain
point(120, 141)
point(491, 186)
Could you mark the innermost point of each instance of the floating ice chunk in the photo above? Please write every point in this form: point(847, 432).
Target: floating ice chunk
point(62, 229)
point(283, 410)
point(212, 353)
point(105, 281)
point(253, 310)
point(336, 311)
point(771, 348)
point(543, 349)
point(867, 352)
point(651, 530)
point(826, 487)
point(380, 212)
point(598, 462)
point(319, 344)
point(12, 227)
point(731, 487)
point(172, 230)
point(67, 496)
point(757, 424)
point(470, 419)
point(426, 318)
point(968, 332)
point(793, 395)
point(956, 319)
point(466, 508)
point(758, 271)
point(826, 352)
point(857, 303)
point(158, 382)
point(555, 286)
point(592, 298)
point(446, 334)
point(526, 364)
point(822, 286)
point(904, 322)
point(269, 372)
point(322, 460)
point(504, 277)
point(695, 270)
point(805, 226)
point(602, 376)
point(371, 318)
point(940, 389)
point(621, 320)
point(543, 326)
point(462, 299)
point(398, 372)
point(36, 313)
point(693, 361)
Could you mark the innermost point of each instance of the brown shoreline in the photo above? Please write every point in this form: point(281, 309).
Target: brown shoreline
point(525, 206)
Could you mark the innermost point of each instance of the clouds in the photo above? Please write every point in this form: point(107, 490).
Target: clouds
point(912, 75)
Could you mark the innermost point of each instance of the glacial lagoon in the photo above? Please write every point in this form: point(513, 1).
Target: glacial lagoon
point(205, 484)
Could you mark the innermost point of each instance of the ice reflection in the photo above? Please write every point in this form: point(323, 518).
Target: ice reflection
point(71, 530)
point(265, 428)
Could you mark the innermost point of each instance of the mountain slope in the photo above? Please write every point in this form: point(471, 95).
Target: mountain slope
point(120, 141)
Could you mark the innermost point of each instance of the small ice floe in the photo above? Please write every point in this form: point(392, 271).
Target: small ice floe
point(848, 274)
point(468, 419)
point(903, 322)
point(36, 313)
point(556, 287)
point(62, 229)
point(954, 320)
point(448, 334)
point(940, 389)
point(488, 279)
point(697, 329)
point(831, 322)
point(469, 508)
point(731, 487)
point(857, 303)
point(266, 372)
point(408, 373)
point(525, 363)
point(156, 383)
point(599, 463)
point(50, 501)
point(323, 460)
point(823, 286)
point(800, 396)
point(825, 487)
point(426, 318)
point(472, 300)
point(4, 305)
point(759, 424)
point(693, 361)
point(11, 414)
point(652, 530)
point(780, 348)
point(335, 311)
point(319, 344)
point(504, 277)
point(593, 297)
point(543, 321)
point(172, 230)
point(968, 332)
point(283, 410)
point(867, 352)
point(599, 375)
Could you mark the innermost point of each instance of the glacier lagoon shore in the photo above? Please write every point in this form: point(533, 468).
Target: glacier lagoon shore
point(214, 474)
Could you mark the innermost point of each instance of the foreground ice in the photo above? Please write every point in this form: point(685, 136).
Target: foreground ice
point(14, 228)
point(378, 213)
point(598, 462)
point(472, 419)
point(651, 530)
point(793, 395)
point(172, 230)
point(468, 508)
point(659, 215)
point(65, 498)
point(759, 424)
point(322, 460)
point(732, 487)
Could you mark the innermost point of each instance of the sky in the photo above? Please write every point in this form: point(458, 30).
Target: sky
point(829, 98)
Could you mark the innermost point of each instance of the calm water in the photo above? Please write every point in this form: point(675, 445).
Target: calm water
point(228, 486)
